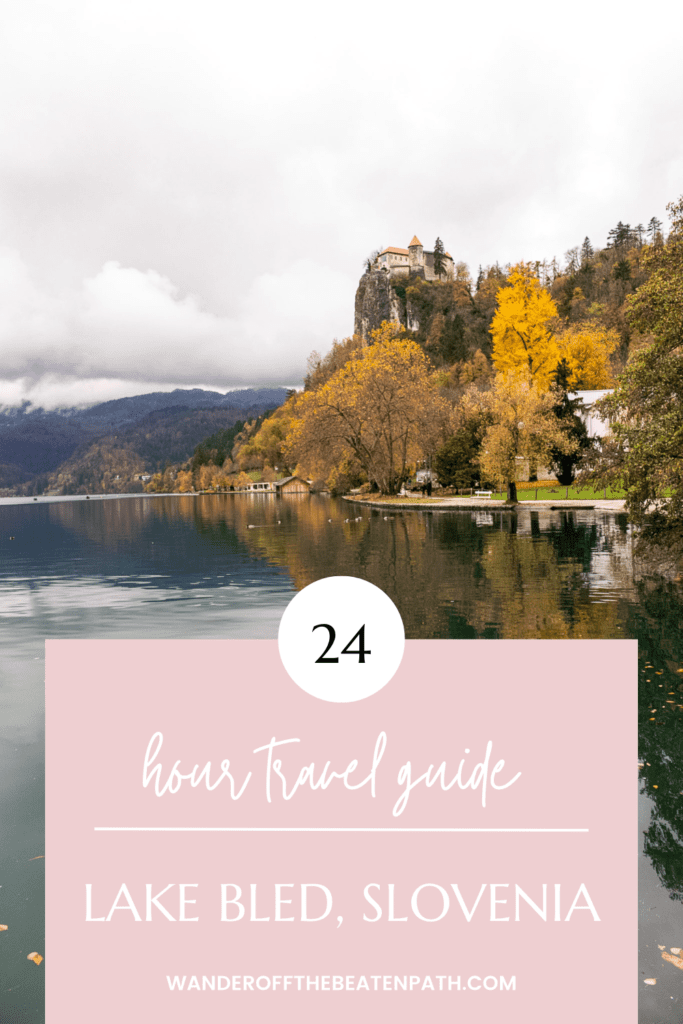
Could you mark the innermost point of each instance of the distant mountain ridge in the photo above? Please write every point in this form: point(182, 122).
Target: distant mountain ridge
point(35, 441)
point(127, 410)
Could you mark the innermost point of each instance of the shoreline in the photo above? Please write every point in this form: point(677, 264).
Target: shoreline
point(486, 504)
point(52, 498)
point(451, 503)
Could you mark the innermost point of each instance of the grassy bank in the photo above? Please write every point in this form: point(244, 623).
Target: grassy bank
point(544, 492)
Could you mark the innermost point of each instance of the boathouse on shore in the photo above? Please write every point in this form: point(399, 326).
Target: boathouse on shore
point(290, 485)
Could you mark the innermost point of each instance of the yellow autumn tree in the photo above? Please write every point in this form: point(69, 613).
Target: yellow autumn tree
point(523, 341)
point(265, 447)
point(381, 411)
point(523, 427)
point(162, 483)
point(205, 477)
point(184, 481)
point(587, 349)
point(241, 481)
point(388, 330)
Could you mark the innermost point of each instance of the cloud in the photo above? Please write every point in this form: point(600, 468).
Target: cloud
point(193, 187)
point(126, 325)
point(60, 392)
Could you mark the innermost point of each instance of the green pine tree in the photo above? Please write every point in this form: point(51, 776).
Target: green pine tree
point(439, 258)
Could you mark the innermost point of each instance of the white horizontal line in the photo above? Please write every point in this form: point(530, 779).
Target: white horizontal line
point(201, 828)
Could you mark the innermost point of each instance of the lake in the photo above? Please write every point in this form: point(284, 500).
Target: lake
point(225, 566)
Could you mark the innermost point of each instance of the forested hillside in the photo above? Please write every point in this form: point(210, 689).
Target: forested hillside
point(589, 284)
point(104, 447)
point(477, 376)
point(481, 383)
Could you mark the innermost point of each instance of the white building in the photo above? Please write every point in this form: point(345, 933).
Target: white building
point(595, 425)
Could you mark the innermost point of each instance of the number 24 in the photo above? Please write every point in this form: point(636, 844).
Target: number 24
point(360, 650)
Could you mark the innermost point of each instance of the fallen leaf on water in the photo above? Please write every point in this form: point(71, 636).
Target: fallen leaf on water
point(37, 958)
point(675, 949)
point(4, 927)
point(677, 961)
point(650, 981)
point(661, 947)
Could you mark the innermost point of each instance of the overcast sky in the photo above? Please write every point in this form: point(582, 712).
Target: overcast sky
point(188, 190)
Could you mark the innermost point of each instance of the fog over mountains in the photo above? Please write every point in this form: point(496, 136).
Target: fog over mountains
point(158, 426)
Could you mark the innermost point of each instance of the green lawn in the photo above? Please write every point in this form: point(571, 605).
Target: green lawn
point(559, 493)
point(256, 475)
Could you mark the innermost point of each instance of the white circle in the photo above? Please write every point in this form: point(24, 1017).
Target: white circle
point(329, 615)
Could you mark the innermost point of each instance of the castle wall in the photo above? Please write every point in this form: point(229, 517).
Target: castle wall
point(395, 262)
point(449, 273)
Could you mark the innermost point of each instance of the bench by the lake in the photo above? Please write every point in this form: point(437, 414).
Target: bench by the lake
point(483, 494)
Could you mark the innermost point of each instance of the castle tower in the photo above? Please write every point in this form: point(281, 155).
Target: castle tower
point(415, 255)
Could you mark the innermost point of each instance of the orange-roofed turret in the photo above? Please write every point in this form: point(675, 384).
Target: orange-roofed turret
point(415, 241)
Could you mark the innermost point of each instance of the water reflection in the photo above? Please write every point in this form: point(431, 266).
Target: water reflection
point(482, 574)
point(656, 620)
point(227, 565)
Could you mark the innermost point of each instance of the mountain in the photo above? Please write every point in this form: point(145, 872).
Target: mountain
point(37, 442)
point(154, 429)
point(122, 411)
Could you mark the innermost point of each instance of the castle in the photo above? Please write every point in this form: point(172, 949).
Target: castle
point(380, 297)
point(413, 260)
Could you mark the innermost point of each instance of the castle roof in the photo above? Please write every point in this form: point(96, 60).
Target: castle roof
point(392, 248)
point(415, 241)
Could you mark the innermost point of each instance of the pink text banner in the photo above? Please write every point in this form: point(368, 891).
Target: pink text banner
point(223, 845)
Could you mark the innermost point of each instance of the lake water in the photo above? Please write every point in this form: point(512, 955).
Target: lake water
point(227, 565)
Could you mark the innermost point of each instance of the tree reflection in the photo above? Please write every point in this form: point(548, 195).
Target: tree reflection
point(656, 621)
point(484, 574)
point(451, 574)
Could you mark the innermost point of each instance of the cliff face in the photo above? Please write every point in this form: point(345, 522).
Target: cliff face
point(376, 301)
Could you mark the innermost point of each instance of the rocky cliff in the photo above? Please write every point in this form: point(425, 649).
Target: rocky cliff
point(376, 300)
